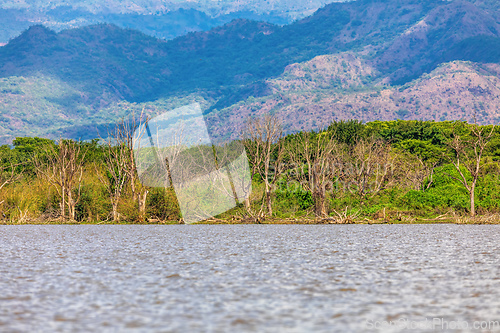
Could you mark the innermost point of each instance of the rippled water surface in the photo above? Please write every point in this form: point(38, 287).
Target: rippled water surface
point(259, 278)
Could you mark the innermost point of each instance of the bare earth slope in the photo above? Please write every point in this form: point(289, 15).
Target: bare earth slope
point(345, 87)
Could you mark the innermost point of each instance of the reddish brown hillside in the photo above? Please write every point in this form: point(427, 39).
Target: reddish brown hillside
point(454, 91)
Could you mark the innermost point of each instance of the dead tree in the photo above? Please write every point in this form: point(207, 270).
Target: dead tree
point(62, 166)
point(315, 160)
point(115, 159)
point(264, 144)
point(467, 152)
point(8, 173)
point(370, 167)
point(412, 171)
point(7, 177)
point(123, 137)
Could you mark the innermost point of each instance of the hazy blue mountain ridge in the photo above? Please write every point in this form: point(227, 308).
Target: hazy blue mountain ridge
point(100, 72)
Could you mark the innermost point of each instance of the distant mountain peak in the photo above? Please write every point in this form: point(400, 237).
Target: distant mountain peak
point(38, 31)
point(34, 37)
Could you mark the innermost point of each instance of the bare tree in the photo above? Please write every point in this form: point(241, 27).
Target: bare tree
point(468, 149)
point(115, 159)
point(412, 171)
point(316, 159)
point(8, 174)
point(371, 167)
point(62, 167)
point(264, 144)
point(123, 136)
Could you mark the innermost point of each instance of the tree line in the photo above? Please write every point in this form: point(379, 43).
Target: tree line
point(417, 168)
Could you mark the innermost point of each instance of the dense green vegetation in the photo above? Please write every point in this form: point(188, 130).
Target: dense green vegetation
point(395, 170)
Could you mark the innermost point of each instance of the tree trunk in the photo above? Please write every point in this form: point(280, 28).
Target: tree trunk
point(142, 205)
point(63, 202)
point(472, 204)
point(115, 211)
point(132, 187)
point(72, 210)
point(71, 206)
point(319, 203)
point(268, 201)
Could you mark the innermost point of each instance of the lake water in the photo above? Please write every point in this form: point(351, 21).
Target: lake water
point(248, 278)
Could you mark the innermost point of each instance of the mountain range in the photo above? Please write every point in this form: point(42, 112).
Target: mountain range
point(365, 59)
point(164, 19)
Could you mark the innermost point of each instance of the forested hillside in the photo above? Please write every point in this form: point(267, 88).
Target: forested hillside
point(367, 60)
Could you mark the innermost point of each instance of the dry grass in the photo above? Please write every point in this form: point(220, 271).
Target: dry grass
point(482, 219)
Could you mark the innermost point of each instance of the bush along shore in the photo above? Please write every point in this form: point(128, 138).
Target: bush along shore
point(348, 172)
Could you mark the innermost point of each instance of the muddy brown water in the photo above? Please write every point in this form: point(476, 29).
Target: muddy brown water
point(246, 278)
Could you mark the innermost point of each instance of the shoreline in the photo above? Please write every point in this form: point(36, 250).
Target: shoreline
point(460, 221)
